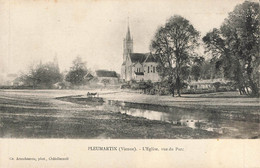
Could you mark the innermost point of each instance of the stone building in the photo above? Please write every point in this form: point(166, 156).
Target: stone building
point(137, 66)
point(107, 77)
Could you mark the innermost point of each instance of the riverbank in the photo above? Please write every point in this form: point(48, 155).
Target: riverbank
point(231, 124)
point(37, 114)
point(222, 101)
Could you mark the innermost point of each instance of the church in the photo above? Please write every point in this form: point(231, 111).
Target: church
point(137, 66)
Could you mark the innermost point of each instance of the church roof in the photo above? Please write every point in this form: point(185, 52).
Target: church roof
point(105, 73)
point(150, 58)
point(138, 57)
point(142, 57)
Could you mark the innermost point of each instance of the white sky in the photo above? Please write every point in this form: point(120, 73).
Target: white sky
point(31, 31)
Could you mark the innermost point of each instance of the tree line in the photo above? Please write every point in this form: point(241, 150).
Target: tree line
point(234, 48)
point(46, 75)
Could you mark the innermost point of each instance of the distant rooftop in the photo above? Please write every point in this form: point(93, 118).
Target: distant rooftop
point(105, 73)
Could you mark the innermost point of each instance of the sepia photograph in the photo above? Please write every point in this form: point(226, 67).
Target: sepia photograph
point(117, 74)
point(129, 70)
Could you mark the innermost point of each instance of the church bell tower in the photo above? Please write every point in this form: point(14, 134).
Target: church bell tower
point(128, 49)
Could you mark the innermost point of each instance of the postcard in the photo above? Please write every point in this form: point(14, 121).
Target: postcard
point(134, 83)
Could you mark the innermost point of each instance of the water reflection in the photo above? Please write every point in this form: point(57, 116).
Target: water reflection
point(241, 125)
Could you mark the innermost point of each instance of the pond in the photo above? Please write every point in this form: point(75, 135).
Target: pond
point(229, 124)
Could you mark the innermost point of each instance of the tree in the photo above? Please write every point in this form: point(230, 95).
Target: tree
point(196, 68)
point(207, 70)
point(174, 45)
point(235, 47)
point(195, 72)
point(77, 72)
point(42, 75)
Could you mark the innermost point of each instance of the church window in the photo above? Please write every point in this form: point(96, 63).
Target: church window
point(148, 69)
point(153, 69)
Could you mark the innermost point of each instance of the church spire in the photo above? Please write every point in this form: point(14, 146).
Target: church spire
point(128, 36)
point(128, 43)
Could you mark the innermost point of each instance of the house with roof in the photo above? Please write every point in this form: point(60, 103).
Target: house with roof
point(137, 66)
point(106, 77)
point(102, 78)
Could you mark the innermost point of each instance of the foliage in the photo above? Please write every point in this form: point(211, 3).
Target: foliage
point(125, 86)
point(208, 70)
point(195, 72)
point(142, 85)
point(42, 76)
point(173, 45)
point(235, 47)
point(77, 72)
point(196, 68)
